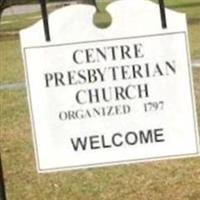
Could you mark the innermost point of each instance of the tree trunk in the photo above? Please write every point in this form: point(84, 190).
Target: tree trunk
point(1, 12)
point(3, 5)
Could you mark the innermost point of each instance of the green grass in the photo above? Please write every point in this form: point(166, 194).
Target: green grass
point(194, 38)
point(10, 58)
point(192, 9)
point(11, 67)
point(18, 22)
point(165, 180)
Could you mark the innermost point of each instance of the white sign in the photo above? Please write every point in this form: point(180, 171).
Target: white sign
point(111, 96)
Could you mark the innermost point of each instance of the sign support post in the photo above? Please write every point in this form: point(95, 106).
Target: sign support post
point(45, 19)
point(2, 186)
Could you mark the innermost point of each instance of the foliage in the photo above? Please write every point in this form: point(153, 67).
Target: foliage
point(7, 3)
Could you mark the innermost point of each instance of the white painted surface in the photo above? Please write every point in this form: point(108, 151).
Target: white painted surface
point(134, 22)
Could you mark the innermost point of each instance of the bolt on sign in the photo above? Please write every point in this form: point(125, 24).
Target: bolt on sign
point(110, 96)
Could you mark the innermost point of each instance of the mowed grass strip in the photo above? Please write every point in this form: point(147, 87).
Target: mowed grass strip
point(177, 179)
point(11, 66)
point(194, 39)
point(14, 23)
point(192, 10)
point(196, 77)
point(174, 179)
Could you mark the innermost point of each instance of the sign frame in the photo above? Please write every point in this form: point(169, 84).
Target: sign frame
point(197, 153)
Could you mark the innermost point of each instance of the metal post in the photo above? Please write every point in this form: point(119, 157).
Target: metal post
point(2, 185)
point(95, 4)
point(162, 13)
point(45, 19)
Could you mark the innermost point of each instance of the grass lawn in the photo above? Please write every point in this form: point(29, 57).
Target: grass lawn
point(192, 9)
point(10, 47)
point(10, 61)
point(165, 180)
point(18, 22)
point(173, 179)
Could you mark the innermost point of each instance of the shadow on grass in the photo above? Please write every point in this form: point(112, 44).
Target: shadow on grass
point(186, 5)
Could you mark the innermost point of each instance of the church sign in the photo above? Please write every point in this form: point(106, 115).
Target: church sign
point(111, 96)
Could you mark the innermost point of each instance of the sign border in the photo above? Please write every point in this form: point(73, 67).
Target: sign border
point(112, 163)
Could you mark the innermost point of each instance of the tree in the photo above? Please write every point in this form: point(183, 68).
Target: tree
point(7, 3)
point(3, 5)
